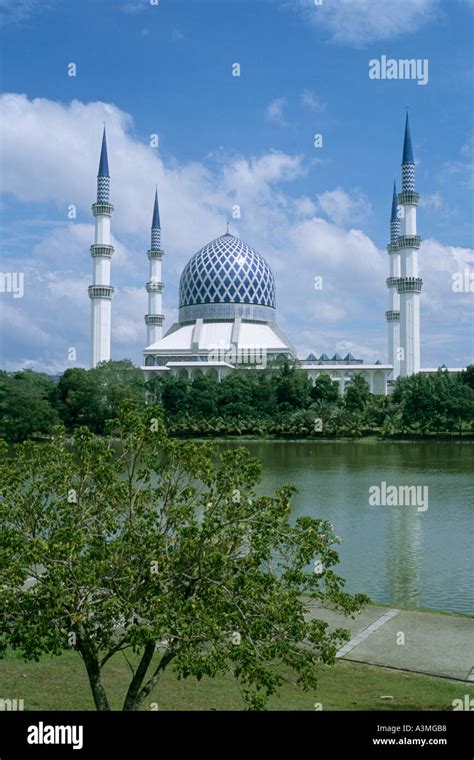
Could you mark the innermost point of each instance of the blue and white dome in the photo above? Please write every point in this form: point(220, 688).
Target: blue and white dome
point(224, 280)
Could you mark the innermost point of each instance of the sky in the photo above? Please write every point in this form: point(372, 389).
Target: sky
point(167, 68)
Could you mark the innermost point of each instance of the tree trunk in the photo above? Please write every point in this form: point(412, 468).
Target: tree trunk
point(93, 671)
point(138, 678)
point(164, 662)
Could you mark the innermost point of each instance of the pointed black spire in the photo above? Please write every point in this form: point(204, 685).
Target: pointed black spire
point(104, 161)
point(407, 146)
point(394, 215)
point(155, 225)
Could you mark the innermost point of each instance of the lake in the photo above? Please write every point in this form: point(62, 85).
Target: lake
point(415, 556)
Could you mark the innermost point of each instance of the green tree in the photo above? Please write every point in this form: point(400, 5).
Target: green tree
point(459, 412)
point(325, 389)
point(78, 399)
point(27, 405)
point(174, 395)
point(234, 394)
point(292, 387)
point(467, 376)
point(203, 396)
point(357, 394)
point(162, 545)
point(263, 393)
point(115, 382)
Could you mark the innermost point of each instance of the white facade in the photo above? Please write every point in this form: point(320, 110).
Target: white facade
point(409, 283)
point(154, 319)
point(409, 293)
point(101, 292)
point(393, 314)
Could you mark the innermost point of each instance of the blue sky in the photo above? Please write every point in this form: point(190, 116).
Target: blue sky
point(227, 140)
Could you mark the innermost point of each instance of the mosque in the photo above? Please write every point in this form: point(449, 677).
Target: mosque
point(227, 306)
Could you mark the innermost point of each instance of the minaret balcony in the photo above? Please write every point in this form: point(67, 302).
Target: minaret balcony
point(410, 284)
point(102, 209)
point(100, 291)
point(154, 286)
point(392, 316)
point(408, 198)
point(102, 251)
point(392, 247)
point(154, 319)
point(155, 253)
point(392, 282)
point(409, 241)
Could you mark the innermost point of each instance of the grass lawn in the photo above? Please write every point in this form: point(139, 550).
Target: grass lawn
point(60, 683)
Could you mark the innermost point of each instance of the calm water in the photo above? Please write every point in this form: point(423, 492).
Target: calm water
point(396, 555)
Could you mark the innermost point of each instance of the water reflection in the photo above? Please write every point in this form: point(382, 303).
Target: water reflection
point(396, 554)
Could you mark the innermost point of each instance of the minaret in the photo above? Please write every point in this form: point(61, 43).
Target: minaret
point(154, 319)
point(393, 314)
point(409, 284)
point(101, 292)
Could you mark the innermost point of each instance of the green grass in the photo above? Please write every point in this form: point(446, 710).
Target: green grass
point(60, 683)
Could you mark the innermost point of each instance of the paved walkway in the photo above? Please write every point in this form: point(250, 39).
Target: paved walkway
point(421, 642)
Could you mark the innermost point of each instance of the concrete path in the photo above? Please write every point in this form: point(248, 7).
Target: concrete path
point(421, 642)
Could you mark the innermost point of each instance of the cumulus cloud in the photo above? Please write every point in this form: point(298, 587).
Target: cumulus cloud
point(367, 21)
point(344, 208)
point(431, 201)
point(274, 110)
point(312, 101)
point(463, 168)
point(14, 11)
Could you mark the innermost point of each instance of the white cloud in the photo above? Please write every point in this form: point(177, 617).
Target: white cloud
point(464, 167)
point(312, 101)
point(133, 7)
point(15, 11)
point(357, 22)
point(432, 201)
point(343, 208)
point(274, 110)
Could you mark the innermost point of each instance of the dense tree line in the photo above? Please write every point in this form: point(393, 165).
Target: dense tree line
point(32, 403)
point(275, 401)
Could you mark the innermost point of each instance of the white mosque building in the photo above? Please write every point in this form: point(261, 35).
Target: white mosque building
point(227, 308)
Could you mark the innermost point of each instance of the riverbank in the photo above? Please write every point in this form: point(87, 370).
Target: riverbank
point(417, 641)
point(60, 683)
point(292, 438)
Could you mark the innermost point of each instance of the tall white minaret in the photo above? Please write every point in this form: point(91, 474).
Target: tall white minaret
point(409, 284)
point(154, 319)
point(101, 292)
point(393, 314)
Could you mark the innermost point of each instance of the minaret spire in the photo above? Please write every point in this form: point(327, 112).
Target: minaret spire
point(408, 161)
point(393, 314)
point(101, 291)
point(394, 217)
point(154, 319)
point(409, 284)
point(156, 225)
point(103, 175)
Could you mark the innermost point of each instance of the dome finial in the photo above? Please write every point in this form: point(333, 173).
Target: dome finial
point(227, 230)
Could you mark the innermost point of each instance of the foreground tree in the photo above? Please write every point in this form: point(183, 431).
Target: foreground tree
point(27, 408)
point(164, 549)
